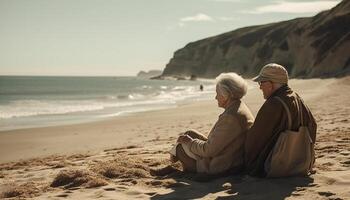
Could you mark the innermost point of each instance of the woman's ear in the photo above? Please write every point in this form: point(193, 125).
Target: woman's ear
point(227, 99)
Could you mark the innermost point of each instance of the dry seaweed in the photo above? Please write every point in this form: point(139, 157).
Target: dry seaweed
point(74, 178)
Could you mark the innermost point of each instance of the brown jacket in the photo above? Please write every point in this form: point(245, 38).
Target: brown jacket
point(224, 148)
point(270, 121)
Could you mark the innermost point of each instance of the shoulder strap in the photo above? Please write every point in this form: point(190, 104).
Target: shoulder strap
point(288, 112)
point(299, 103)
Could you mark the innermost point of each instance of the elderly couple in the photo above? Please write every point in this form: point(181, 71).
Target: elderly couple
point(237, 143)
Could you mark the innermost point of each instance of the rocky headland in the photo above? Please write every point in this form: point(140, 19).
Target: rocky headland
point(316, 46)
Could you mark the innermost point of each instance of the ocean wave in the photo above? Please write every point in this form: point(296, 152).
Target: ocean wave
point(146, 87)
point(135, 96)
point(25, 108)
point(123, 96)
point(164, 96)
point(181, 88)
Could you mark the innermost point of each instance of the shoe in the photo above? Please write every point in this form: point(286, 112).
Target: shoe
point(163, 171)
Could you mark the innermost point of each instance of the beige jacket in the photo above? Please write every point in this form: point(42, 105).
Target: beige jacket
point(224, 148)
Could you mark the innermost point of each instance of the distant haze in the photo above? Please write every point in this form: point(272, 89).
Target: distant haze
point(122, 37)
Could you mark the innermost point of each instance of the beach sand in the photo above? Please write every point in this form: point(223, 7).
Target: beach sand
point(111, 159)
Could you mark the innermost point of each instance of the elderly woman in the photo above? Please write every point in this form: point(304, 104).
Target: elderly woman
point(223, 149)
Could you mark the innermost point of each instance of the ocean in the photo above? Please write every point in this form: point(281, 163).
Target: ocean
point(34, 101)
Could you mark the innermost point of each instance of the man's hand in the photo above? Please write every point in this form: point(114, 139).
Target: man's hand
point(184, 139)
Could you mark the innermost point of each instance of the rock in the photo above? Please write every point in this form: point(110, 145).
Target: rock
point(149, 74)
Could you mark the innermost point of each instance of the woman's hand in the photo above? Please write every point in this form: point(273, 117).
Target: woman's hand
point(173, 158)
point(184, 139)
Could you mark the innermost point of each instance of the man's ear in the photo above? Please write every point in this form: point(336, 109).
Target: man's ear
point(273, 87)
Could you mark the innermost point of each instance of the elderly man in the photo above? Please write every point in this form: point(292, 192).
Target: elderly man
point(272, 118)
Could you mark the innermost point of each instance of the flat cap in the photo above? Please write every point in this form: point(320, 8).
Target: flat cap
point(272, 72)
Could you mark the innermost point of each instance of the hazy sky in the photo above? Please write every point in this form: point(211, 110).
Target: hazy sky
point(122, 37)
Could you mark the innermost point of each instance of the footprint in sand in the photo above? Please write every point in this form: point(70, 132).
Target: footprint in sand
point(342, 141)
point(133, 192)
point(328, 149)
point(122, 187)
point(300, 189)
point(154, 183)
point(327, 164)
point(326, 194)
point(146, 161)
point(109, 189)
point(74, 188)
point(320, 156)
point(62, 195)
point(346, 163)
point(143, 152)
point(345, 153)
point(313, 185)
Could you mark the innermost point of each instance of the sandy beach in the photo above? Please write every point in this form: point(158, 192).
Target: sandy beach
point(111, 159)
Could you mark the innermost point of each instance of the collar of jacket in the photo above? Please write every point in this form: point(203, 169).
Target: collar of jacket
point(283, 90)
point(233, 105)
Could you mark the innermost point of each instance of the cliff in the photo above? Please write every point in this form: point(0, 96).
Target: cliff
point(317, 46)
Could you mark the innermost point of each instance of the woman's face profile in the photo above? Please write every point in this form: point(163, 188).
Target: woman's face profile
point(222, 100)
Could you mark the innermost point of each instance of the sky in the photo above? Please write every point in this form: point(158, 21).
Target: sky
point(122, 37)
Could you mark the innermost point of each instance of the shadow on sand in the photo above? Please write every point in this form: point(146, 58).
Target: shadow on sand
point(233, 187)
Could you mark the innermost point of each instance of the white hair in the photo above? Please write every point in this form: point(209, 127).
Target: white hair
point(231, 85)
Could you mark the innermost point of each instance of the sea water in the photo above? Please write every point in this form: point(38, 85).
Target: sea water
point(32, 101)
